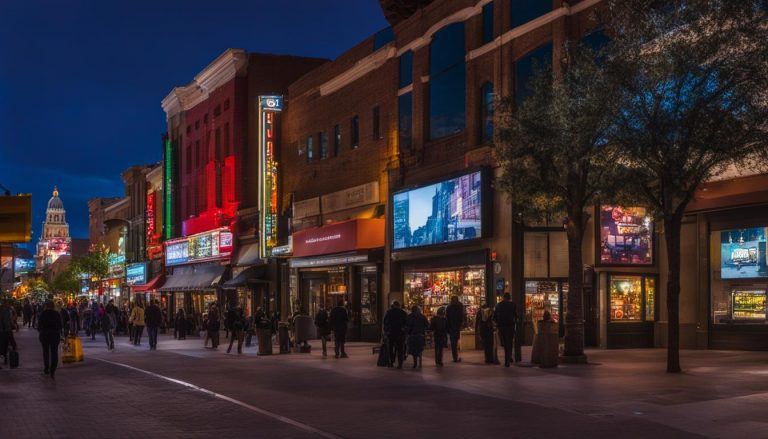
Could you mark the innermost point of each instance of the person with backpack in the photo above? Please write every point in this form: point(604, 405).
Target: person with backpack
point(438, 326)
point(322, 322)
point(505, 317)
point(153, 317)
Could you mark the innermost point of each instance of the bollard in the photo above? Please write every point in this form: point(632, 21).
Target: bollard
point(548, 343)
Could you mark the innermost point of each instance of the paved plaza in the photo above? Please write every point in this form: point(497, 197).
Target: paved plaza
point(184, 390)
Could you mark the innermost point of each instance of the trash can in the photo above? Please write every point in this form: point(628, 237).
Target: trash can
point(265, 341)
point(305, 331)
point(549, 343)
point(284, 338)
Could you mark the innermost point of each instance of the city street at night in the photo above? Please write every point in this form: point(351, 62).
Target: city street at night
point(183, 390)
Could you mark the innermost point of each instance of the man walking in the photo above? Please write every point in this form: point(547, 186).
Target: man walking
point(108, 321)
point(338, 321)
point(323, 328)
point(505, 316)
point(49, 325)
point(153, 317)
point(456, 318)
point(395, 322)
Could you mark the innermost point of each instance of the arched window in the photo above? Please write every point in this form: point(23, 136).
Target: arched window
point(486, 93)
point(447, 82)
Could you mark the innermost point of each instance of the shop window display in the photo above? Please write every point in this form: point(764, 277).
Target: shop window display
point(629, 298)
point(431, 290)
point(541, 296)
point(327, 290)
point(368, 294)
point(626, 236)
point(650, 298)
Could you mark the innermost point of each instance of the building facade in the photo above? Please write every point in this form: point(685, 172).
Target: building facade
point(54, 240)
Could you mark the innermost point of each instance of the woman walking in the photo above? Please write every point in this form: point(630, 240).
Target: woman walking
point(50, 326)
point(438, 326)
point(137, 319)
point(417, 326)
point(180, 325)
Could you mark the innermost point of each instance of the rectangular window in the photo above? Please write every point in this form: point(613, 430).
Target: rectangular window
point(630, 297)
point(310, 149)
point(447, 82)
point(526, 68)
point(406, 69)
point(226, 140)
point(322, 139)
point(376, 123)
point(354, 129)
point(336, 140)
point(405, 121)
point(488, 23)
point(626, 236)
point(524, 11)
point(218, 144)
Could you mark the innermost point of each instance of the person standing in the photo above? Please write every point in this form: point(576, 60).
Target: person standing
point(214, 325)
point(323, 327)
point(27, 313)
point(505, 317)
point(456, 318)
point(438, 327)
point(484, 328)
point(416, 326)
point(108, 320)
point(338, 320)
point(153, 317)
point(6, 329)
point(36, 309)
point(236, 320)
point(137, 320)
point(50, 326)
point(395, 322)
point(180, 325)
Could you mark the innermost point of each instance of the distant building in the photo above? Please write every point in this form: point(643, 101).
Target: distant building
point(54, 239)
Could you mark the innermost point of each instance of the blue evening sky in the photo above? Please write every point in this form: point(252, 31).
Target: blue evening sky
point(81, 80)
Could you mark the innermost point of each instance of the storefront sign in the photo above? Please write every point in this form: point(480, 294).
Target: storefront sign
point(136, 274)
point(216, 244)
point(339, 237)
point(327, 261)
point(350, 198)
point(269, 108)
point(306, 208)
point(150, 216)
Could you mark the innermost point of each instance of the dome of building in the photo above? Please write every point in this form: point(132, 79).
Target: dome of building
point(55, 202)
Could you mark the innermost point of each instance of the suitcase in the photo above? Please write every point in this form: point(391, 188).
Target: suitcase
point(13, 359)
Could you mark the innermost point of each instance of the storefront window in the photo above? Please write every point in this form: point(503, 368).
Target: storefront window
point(650, 298)
point(626, 236)
point(447, 82)
point(542, 296)
point(431, 290)
point(739, 276)
point(626, 294)
point(368, 295)
point(329, 289)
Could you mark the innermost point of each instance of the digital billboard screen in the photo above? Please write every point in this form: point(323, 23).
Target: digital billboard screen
point(626, 236)
point(742, 253)
point(24, 265)
point(443, 212)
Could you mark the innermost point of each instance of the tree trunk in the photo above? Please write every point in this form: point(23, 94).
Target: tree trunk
point(574, 317)
point(672, 228)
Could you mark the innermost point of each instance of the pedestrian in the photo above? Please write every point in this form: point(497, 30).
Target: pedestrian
point(395, 322)
point(416, 328)
point(236, 320)
point(505, 317)
point(153, 318)
point(338, 320)
point(36, 309)
point(484, 327)
point(180, 325)
point(50, 326)
point(7, 325)
point(438, 326)
point(97, 311)
point(137, 320)
point(107, 322)
point(74, 319)
point(322, 322)
point(214, 325)
point(128, 310)
point(456, 317)
point(27, 313)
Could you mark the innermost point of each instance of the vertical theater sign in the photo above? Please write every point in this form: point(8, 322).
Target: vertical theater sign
point(269, 111)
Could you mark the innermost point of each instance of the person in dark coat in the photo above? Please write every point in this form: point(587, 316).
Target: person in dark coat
point(27, 313)
point(108, 326)
point(484, 328)
point(505, 317)
point(338, 320)
point(180, 325)
point(323, 328)
point(153, 318)
point(236, 319)
point(50, 326)
point(456, 317)
point(438, 327)
point(416, 328)
point(395, 323)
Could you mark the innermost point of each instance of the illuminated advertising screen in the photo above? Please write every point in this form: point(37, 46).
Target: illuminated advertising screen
point(439, 213)
point(742, 253)
point(136, 274)
point(216, 244)
point(626, 236)
point(22, 265)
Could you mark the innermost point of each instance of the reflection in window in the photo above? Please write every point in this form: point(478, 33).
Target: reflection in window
point(488, 23)
point(524, 11)
point(447, 82)
point(405, 120)
point(406, 69)
point(487, 112)
point(526, 67)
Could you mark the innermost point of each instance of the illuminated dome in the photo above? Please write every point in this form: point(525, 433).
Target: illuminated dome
point(55, 202)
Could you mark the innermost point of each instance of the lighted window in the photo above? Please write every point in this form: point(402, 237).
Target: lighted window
point(626, 236)
point(488, 23)
point(354, 129)
point(405, 121)
point(487, 112)
point(322, 139)
point(524, 11)
point(406, 69)
point(447, 82)
point(632, 298)
point(310, 149)
point(650, 298)
point(527, 67)
point(336, 140)
point(376, 123)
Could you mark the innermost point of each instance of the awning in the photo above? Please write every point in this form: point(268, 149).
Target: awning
point(248, 254)
point(249, 275)
point(194, 278)
point(149, 286)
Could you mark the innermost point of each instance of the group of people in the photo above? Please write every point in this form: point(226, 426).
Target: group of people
point(336, 322)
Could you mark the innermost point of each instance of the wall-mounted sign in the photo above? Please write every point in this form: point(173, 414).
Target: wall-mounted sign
point(269, 109)
point(306, 208)
point(136, 274)
point(150, 216)
point(350, 198)
point(216, 244)
point(339, 237)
